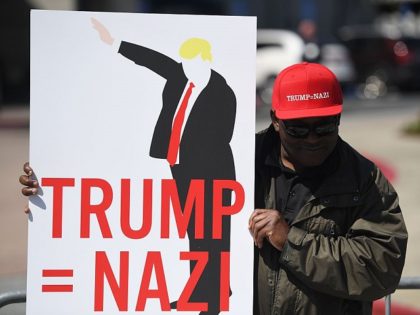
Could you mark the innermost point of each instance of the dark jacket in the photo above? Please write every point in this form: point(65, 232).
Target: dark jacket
point(345, 248)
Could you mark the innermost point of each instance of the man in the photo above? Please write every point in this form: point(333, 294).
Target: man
point(329, 234)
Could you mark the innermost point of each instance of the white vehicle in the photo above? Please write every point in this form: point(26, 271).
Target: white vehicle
point(336, 58)
point(276, 50)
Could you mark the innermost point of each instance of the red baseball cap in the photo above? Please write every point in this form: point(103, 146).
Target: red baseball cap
point(306, 90)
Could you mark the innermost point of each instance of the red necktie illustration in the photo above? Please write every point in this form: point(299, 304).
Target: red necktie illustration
point(173, 148)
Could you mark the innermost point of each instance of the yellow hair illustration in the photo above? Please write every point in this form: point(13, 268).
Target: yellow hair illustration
point(195, 46)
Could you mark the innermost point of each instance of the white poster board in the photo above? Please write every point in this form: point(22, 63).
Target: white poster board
point(115, 229)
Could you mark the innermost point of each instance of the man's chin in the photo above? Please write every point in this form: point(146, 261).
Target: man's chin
point(312, 160)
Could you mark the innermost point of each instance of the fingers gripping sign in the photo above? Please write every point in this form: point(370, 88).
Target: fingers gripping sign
point(268, 224)
point(30, 185)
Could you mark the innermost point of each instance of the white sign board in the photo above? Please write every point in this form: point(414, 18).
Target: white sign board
point(142, 138)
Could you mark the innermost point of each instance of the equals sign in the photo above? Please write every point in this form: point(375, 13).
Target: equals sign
point(57, 273)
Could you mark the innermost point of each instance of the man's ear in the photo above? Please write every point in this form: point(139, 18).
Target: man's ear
point(275, 121)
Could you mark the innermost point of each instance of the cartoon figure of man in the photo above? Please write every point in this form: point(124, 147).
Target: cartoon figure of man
point(193, 132)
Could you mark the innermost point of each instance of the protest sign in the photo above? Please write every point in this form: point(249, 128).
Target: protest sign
point(142, 139)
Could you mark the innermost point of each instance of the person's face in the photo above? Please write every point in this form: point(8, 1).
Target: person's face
point(307, 142)
point(196, 69)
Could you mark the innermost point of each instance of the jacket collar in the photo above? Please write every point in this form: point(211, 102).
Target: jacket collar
point(342, 181)
point(339, 189)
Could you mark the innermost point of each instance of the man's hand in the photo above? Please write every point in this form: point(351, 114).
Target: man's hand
point(103, 32)
point(269, 224)
point(31, 185)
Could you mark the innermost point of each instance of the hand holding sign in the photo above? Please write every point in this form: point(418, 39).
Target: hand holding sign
point(31, 185)
point(269, 224)
point(103, 32)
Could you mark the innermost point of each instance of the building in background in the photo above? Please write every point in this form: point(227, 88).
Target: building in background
point(318, 22)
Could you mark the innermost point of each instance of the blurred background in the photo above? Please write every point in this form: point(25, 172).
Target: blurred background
point(373, 47)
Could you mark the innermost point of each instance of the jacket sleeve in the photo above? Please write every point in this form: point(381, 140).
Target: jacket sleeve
point(151, 59)
point(364, 264)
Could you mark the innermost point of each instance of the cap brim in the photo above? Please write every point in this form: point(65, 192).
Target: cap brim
point(308, 113)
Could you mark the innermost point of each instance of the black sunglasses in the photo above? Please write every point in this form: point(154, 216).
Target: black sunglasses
point(321, 129)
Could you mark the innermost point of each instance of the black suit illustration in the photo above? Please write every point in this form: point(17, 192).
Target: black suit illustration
point(204, 153)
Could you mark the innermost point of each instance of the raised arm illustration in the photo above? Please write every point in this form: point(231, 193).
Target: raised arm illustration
point(143, 56)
